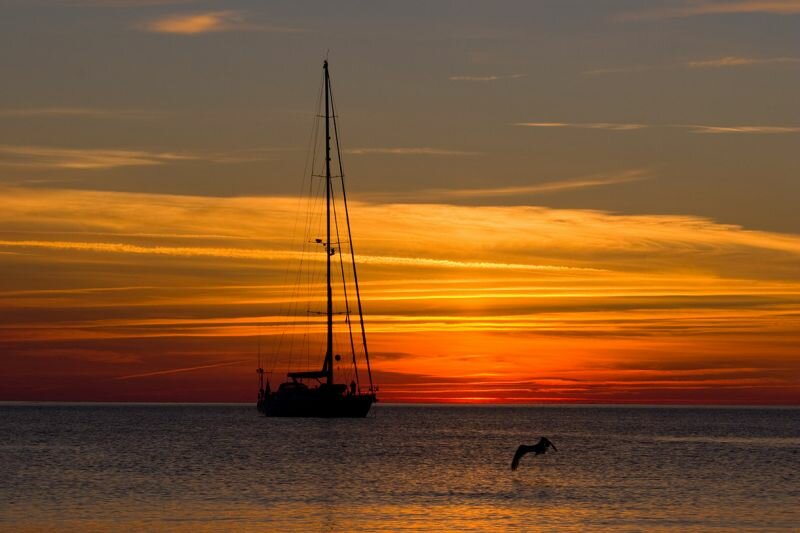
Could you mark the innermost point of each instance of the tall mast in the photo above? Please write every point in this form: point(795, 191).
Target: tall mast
point(329, 249)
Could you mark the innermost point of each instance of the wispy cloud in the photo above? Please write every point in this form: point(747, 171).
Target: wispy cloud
point(704, 7)
point(278, 255)
point(208, 22)
point(82, 158)
point(244, 155)
point(490, 77)
point(77, 112)
point(47, 157)
point(714, 63)
point(733, 61)
point(189, 24)
point(621, 70)
point(546, 187)
point(178, 370)
point(446, 195)
point(694, 128)
point(742, 129)
point(613, 126)
point(410, 151)
point(433, 227)
point(122, 3)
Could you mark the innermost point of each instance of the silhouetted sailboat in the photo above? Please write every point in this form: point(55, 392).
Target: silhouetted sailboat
point(316, 393)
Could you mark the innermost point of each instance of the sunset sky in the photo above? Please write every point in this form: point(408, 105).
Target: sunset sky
point(551, 201)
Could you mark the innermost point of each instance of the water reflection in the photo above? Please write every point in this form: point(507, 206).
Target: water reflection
point(203, 468)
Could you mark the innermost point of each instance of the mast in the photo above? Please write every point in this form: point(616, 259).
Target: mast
point(329, 249)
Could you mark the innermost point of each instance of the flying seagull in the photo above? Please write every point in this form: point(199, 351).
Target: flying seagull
point(538, 448)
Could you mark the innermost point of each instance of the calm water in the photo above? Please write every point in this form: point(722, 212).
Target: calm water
point(406, 467)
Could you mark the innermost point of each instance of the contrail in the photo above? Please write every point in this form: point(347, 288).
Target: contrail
point(178, 370)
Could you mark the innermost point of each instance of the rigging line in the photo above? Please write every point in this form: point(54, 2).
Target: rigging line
point(310, 154)
point(291, 306)
point(312, 221)
point(344, 292)
point(301, 267)
point(317, 273)
point(352, 249)
point(311, 217)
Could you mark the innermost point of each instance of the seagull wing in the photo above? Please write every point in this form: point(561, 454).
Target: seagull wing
point(521, 451)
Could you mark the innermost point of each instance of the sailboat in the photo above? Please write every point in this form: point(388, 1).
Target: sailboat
point(320, 392)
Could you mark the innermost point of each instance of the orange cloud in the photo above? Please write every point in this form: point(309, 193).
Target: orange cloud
point(194, 23)
point(584, 125)
point(208, 22)
point(463, 303)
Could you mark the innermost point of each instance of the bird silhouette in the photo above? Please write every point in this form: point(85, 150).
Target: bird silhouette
point(538, 448)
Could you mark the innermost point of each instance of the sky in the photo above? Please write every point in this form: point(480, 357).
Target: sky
point(551, 201)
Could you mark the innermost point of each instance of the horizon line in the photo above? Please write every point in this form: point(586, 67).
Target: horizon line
point(577, 403)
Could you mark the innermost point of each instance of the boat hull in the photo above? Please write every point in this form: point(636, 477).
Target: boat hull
point(316, 404)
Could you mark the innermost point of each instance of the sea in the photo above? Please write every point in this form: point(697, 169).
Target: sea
point(161, 467)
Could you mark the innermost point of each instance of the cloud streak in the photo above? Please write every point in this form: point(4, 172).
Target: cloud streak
point(734, 61)
point(705, 7)
point(693, 128)
point(82, 158)
point(552, 186)
point(177, 370)
point(490, 77)
point(424, 151)
point(742, 129)
point(506, 234)
point(612, 126)
point(124, 3)
point(699, 64)
point(208, 22)
point(47, 157)
point(538, 188)
point(77, 112)
point(275, 255)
